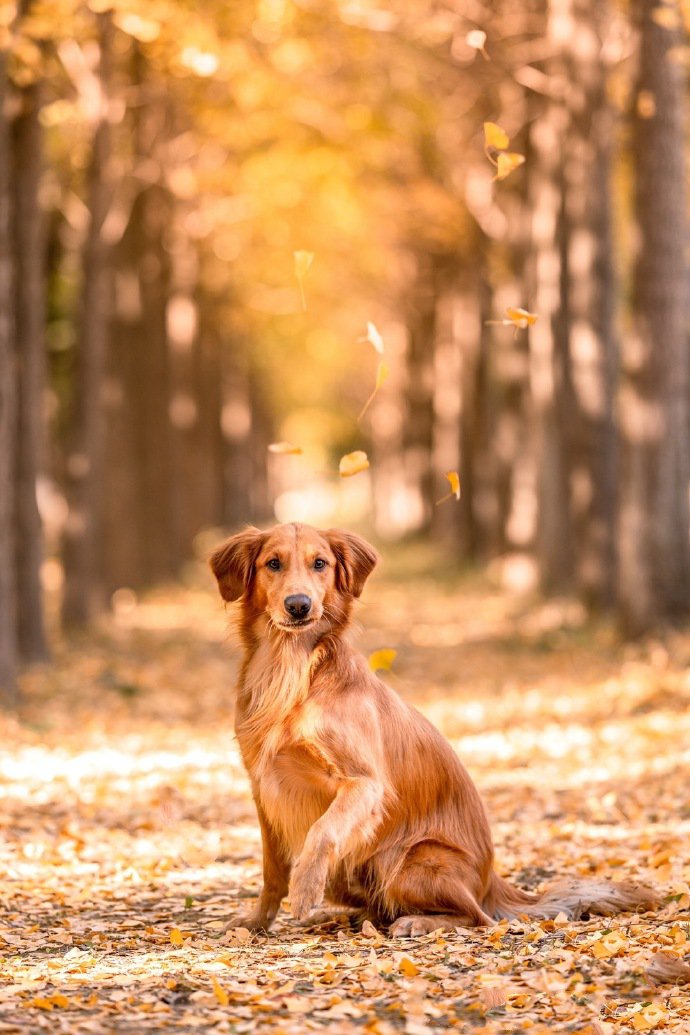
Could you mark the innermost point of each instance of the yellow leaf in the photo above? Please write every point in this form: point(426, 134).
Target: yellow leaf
point(285, 448)
point(353, 463)
point(495, 137)
point(407, 967)
point(382, 372)
point(176, 937)
point(41, 1004)
point(520, 318)
point(454, 482)
point(303, 261)
point(650, 1016)
point(609, 945)
point(506, 163)
point(374, 337)
point(381, 661)
point(220, 993)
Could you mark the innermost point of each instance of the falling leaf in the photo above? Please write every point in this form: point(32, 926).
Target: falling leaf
point(381, 661)
point(495, 136)
point(373, 336)
point(285, 449)
point(176, 937)
point(520, 318)
point(649, 1017)
point(506, 163)
point(220, 993)
point(353, 463)
point(303, 261)
point(382, 373)
point(476, 39)
point(454, 482)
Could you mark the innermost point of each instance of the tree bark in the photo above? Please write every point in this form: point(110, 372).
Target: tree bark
point(419, 426)
point(590, 436)
point(29, 301)
point(84, 595)
point(8, 416)
point(654, 579)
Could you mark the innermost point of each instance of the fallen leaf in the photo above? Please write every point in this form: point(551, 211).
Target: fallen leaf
point(353, 463)
point(220, 993)
point(610, 944)
point(649, 1017)
point(407, 967)
point(176, 937)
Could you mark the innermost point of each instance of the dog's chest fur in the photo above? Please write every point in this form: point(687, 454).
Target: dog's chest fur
point(273, 720)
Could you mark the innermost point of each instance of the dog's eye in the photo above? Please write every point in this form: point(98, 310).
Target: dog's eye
point(319, 564)
point(274, 564)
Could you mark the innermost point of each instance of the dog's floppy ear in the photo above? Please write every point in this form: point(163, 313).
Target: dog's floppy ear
point(355, 560)
point(233, 562)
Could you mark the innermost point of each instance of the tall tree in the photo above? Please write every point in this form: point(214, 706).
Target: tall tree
point(588, 286)
point(27, 154)
point(655, 474)
point(8, 616)
point(84, 462)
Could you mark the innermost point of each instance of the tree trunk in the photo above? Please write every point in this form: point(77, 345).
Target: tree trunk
point(654, 579)
point(83, 596)
point(590, 434)
point(553, 539)
point(8, 416)
point(29, 301)
point(419, 427)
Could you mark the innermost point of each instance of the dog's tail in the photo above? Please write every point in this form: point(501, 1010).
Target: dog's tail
point(572, 897)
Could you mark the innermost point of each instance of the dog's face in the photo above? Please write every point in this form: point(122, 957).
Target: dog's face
point(296, 575)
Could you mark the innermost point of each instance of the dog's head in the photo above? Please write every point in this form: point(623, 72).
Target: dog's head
point(298, 576)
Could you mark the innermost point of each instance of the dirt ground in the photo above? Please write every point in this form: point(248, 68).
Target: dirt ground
point(130, 842)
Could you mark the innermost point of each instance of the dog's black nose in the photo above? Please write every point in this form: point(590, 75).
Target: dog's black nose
point(298, 605)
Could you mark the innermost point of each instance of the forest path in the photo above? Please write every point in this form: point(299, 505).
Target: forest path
point(128, 828)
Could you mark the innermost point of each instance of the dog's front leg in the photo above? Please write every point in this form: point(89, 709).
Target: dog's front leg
point(276, 877)
point(349, 822)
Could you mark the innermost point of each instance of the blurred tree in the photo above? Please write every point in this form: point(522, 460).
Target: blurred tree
point(29, 293)
point(83, 591)
point(8, 602)
point(655, 392)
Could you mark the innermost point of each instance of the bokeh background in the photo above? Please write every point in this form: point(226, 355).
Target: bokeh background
point(166, 171)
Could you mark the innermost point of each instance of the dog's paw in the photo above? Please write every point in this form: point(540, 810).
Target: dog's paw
point(414, 926)
point(307, 887)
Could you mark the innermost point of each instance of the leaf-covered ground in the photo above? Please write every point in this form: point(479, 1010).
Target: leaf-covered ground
point(130, 840)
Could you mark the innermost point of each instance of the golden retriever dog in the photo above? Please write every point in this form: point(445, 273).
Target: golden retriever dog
point(360, 799)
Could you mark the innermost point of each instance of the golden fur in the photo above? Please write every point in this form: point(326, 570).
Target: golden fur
point(360, 799)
